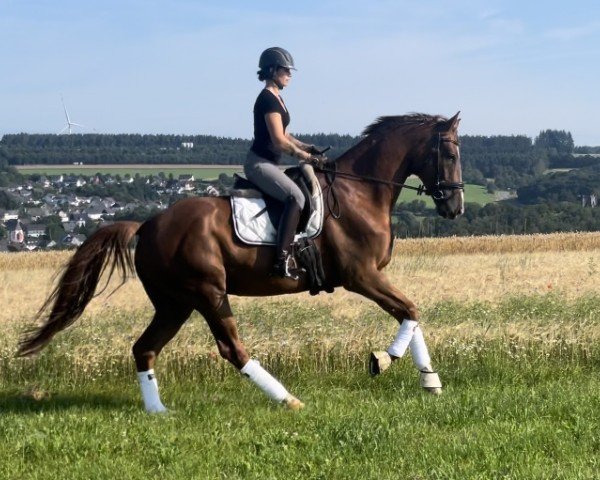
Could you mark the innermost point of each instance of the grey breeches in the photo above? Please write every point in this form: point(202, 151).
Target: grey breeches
point(271, 180)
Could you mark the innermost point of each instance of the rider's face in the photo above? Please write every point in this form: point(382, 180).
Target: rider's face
point(283, 76)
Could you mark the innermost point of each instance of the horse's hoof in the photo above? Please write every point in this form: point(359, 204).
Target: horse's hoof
point(431, 382)
point(157, 409)
point(434, 391)
point(293, 403)
point(379, 362)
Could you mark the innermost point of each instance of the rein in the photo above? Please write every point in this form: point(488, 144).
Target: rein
point(437, 193)
point(420, 189)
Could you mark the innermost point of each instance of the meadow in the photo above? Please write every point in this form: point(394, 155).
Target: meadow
point(513, 328)
point(204, 172)
point(475, 193)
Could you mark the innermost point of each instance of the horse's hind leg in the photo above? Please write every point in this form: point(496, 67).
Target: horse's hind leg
point(224, 328)
point(166, 323)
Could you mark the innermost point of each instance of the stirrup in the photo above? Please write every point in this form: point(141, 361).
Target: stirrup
point(284, 270)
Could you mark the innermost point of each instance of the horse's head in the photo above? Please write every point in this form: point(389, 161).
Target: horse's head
point(441, 171)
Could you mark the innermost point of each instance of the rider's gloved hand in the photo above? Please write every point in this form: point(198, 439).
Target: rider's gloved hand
point(317, 160)
point(317, 157)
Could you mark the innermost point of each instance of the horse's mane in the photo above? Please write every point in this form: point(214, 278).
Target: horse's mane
point(387, 123)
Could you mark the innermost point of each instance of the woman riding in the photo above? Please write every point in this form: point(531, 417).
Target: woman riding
point(271, 140)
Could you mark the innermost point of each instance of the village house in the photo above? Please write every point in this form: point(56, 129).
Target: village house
point(57, 180)
point(95, 212)
point(185, 183)
point(35, 231)
point(37, 213)
point(79, 219)
point(16, 232)
point(73, 240)
point(69, 227)
point(10, 215)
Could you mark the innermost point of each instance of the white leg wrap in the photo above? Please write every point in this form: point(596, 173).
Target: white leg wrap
point(418, 350)
point(265, 381)
point(150, 395)
point(430, 380)
point(402, 340)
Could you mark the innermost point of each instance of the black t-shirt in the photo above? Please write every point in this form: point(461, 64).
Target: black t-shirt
point(267, 102)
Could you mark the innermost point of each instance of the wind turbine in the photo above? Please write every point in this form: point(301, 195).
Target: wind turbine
point(69, 127)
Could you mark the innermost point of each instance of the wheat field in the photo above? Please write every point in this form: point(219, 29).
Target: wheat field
point(476, 272)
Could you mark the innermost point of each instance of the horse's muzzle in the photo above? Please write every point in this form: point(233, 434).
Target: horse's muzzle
point(451, 206)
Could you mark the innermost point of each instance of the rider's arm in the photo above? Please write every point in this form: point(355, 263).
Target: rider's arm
point(282, 141)
point(305, 147)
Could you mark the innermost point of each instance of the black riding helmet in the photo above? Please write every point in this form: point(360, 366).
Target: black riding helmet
point(272, 58)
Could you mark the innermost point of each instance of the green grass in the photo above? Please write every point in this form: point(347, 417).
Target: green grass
point(477, 194)
point(498, 418)
point(473, 194)
point(519, 404)
point(206, 173)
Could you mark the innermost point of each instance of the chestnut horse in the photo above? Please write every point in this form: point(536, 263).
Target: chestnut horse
point(188, 257)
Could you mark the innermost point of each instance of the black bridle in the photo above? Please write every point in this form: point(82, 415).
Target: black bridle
point(437, 192)
point(441, 185)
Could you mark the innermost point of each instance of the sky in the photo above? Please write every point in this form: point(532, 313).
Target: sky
point(189, 67)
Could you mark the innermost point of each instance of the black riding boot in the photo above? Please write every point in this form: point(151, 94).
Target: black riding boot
point(285, 236)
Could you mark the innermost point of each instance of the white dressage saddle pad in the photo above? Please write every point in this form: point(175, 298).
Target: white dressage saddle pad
point(253, 226)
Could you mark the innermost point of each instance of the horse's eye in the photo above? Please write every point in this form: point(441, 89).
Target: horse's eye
point(452, 157)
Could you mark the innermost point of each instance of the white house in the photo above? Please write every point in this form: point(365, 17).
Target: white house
point(10, 215)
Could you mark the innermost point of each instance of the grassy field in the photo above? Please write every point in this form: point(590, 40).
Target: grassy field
point(208, 172)
point(513, 328)
point(473, 194)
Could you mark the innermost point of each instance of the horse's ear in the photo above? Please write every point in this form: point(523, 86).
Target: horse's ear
point(453, 122)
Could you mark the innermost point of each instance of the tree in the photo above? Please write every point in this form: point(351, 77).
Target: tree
point(55, 232)
point(555, 141)
point(8, 202)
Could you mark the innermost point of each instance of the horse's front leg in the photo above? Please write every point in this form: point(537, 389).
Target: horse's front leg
point(377, 287)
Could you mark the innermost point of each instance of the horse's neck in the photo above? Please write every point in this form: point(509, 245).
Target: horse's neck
point(377, 158)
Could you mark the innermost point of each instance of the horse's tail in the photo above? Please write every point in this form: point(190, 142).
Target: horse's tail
point(79, 280)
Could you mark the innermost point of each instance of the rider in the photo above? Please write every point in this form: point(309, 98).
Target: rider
point(271, 140)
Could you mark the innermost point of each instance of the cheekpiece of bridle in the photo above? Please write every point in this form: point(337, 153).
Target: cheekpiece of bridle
point(440, 185)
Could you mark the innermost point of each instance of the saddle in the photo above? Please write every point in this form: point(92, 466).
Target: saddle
point(256, 215)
